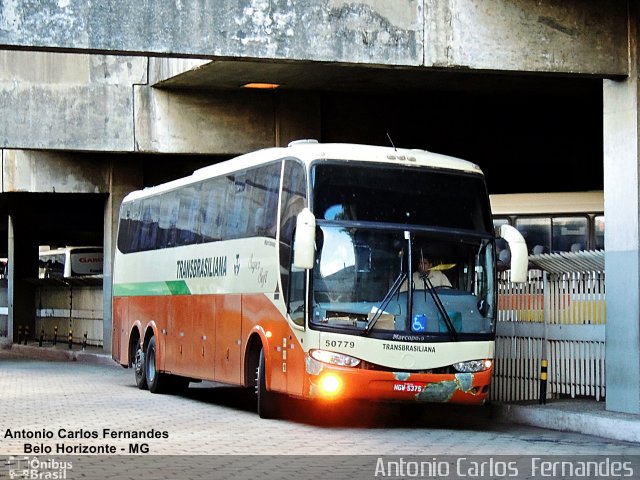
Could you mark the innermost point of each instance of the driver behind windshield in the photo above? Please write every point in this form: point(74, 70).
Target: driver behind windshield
point(426, 270)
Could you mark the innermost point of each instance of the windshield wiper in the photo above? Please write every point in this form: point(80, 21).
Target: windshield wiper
point(385, 301)
point(443, 311)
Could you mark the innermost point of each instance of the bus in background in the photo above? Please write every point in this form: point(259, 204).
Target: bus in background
point(70, 262)
point(553, 222)
point(296, 271)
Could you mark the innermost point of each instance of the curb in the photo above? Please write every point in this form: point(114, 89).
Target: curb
point(49, 353)
point(597, 422)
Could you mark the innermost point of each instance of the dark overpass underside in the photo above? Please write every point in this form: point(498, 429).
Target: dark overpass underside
point(529, 133)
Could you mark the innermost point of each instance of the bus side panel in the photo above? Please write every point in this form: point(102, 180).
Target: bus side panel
point(190, 338)
point(228, 326)
point(285, 367)
point(120, 330)
point(177, 332)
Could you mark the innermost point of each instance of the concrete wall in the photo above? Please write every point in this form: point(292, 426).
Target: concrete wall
point(64, 101)
point(78, 308)
point(622, 235)
point(569, 36)
point(55, 172)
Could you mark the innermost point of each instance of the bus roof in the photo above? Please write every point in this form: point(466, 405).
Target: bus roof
point(543, 203)
point(308, 151)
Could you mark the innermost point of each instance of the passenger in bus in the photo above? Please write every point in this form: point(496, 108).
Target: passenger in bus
point(426, 270)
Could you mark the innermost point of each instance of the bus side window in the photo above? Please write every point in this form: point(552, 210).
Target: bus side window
point(238, 214)
point(292, 201)
point(169, 205)
point(537, 232)
point(263, 184)
point(129, 228)
point(212, 206)
point(149, 227)
point(188, 223)
point(570, 234)
point(598, 232)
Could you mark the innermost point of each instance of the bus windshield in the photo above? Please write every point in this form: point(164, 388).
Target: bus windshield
point(403, 195)
point(404, 285)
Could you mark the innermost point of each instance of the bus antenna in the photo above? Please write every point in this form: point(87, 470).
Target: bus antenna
point(391, 141)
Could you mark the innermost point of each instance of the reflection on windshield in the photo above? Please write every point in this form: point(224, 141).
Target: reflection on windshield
point(450, 294)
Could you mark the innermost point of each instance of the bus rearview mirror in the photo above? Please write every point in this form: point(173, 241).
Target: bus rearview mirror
point(304, 249)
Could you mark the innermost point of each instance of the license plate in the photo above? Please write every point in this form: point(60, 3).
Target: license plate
point(408, 387)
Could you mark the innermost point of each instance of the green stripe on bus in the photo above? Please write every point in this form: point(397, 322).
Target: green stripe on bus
point(176, 287)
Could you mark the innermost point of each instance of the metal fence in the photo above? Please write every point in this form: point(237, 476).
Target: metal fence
point(558, 315)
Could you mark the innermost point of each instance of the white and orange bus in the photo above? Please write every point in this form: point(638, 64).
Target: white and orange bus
point(287, 270)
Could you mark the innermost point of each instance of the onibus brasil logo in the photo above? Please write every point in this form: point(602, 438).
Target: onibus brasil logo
point(34, 468)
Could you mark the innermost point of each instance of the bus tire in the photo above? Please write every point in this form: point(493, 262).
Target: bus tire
point(139, 367)
point(267, 401)
point(155, 380)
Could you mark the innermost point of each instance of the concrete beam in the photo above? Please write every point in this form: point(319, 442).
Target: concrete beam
point(170, 121)
point(161, 69)
point(572, 36)
point(546, 35)
point(68, 101)
point(179, 122)
point(52, 172)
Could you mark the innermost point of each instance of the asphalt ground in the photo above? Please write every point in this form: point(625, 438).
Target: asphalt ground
point(88, 409)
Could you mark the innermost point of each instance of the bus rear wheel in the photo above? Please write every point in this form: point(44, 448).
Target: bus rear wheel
point(267, 401)
point(155, 380)
point(139, 367)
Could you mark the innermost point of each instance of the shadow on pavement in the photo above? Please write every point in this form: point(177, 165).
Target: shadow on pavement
point(348, 414)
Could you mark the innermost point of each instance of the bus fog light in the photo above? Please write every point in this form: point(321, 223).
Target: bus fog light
point(330, 384)
point(473, 366)
point(334, 358)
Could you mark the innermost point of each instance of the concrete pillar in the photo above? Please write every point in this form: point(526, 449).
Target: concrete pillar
point(125, 175)
point(622, 235)
point(23, 264)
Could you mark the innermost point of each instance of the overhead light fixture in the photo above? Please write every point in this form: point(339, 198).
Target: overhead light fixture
point(261, 86)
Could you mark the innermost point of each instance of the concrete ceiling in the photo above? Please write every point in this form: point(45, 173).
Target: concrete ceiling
point(332, 77)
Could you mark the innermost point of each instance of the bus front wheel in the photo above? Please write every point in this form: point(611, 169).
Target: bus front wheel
point(267, 401)
point(155, 380)
point(139, 367)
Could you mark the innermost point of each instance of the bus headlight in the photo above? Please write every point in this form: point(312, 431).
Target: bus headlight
point(473, 366)
point(334, 358)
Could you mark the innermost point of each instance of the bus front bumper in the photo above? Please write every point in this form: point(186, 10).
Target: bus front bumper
point(343, 383)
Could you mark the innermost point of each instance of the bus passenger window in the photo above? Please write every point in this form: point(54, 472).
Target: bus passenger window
point(215, 192)
point(598, 234)
point(537, 232)
point(570, 234)
point(498, 222)
point(169, 205)
point(188, 222)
